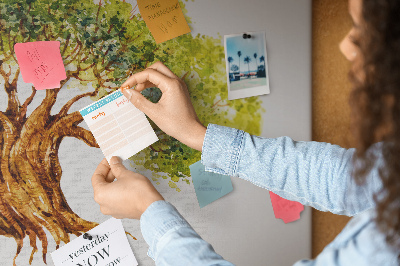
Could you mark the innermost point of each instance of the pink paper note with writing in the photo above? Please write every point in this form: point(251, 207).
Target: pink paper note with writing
point(288, 211)
point(41, 63)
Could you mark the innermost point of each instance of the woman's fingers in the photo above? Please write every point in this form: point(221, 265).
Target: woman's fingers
point(174, 113)
point(160, 67)
point(128, 197)
point(143, 86)
point(140, 86)
point(100, 174)
point(149, 75)
point(110, 177)
point(140, 102)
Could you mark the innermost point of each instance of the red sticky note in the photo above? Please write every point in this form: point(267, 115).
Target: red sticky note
point(41, 63)
point(288, 211)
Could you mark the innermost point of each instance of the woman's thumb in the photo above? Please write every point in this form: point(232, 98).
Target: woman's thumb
point(138, 100)
point(117, 167)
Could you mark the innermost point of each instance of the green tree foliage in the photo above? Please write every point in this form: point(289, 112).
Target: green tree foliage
point(101, 45)
point(104, 44)
point(200, 62)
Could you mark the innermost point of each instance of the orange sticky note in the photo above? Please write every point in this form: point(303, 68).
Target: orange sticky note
point(164, 18)
point(288, 211)
point(41, 63)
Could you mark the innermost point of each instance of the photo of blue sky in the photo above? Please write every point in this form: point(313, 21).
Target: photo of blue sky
point(247, 47)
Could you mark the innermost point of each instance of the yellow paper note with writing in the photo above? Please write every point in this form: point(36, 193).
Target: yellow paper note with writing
point(164, 18)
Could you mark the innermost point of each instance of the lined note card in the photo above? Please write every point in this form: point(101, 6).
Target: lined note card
point(118, 126)
point(164, 18)
point(41, 63)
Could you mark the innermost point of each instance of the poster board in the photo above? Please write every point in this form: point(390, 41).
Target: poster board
point(240, 226)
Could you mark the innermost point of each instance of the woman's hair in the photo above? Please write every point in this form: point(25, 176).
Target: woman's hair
point(375, 101)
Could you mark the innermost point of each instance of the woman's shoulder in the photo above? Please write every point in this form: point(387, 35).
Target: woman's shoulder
point(365, 240)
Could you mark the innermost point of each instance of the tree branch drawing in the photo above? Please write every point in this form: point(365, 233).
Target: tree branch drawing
point(101, 45)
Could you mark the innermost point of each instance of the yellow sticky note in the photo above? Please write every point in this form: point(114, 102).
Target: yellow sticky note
point(164, 18)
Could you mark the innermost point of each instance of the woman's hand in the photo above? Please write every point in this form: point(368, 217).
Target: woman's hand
point(174, 113)
point(127, 197)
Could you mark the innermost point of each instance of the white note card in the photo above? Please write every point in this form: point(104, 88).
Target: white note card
point(109, 246)
point(118, 126)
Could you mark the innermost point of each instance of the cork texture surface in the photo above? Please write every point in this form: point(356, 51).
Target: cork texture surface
point(330, 99)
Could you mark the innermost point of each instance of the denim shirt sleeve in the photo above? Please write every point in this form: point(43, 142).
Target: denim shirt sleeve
point(172, 241)
point(360, 243)
point(312, 173)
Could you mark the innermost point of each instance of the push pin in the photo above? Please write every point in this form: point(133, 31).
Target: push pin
point(246, 36)
point(87, 236)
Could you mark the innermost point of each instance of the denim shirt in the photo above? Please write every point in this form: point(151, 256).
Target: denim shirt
point(312, 173)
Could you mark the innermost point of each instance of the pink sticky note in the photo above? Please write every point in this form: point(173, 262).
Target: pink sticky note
point(288, 211)
point(41, 63)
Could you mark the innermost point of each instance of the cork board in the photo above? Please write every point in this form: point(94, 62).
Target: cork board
point(331, 88)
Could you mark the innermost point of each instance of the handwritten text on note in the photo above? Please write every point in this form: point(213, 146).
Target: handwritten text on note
point(41, 63)
point(164, 18)
point(209, 186)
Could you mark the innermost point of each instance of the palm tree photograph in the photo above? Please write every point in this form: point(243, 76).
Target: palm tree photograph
point(246, 65)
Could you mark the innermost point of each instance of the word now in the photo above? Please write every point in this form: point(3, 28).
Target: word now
point(87, 247)
point(93, 259)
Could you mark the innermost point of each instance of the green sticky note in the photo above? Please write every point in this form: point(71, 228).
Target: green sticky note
point(209, 186)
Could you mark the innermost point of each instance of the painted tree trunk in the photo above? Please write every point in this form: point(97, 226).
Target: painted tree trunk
point(30, 174)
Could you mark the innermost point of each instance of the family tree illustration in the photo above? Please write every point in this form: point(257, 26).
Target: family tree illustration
point(101, 45)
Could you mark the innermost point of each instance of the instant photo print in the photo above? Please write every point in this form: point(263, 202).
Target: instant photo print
point(246, 65)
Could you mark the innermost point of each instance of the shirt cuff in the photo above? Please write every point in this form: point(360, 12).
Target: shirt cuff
point(158, 219)
point(222, 148)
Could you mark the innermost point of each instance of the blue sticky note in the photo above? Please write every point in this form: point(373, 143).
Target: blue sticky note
point(209, 186)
